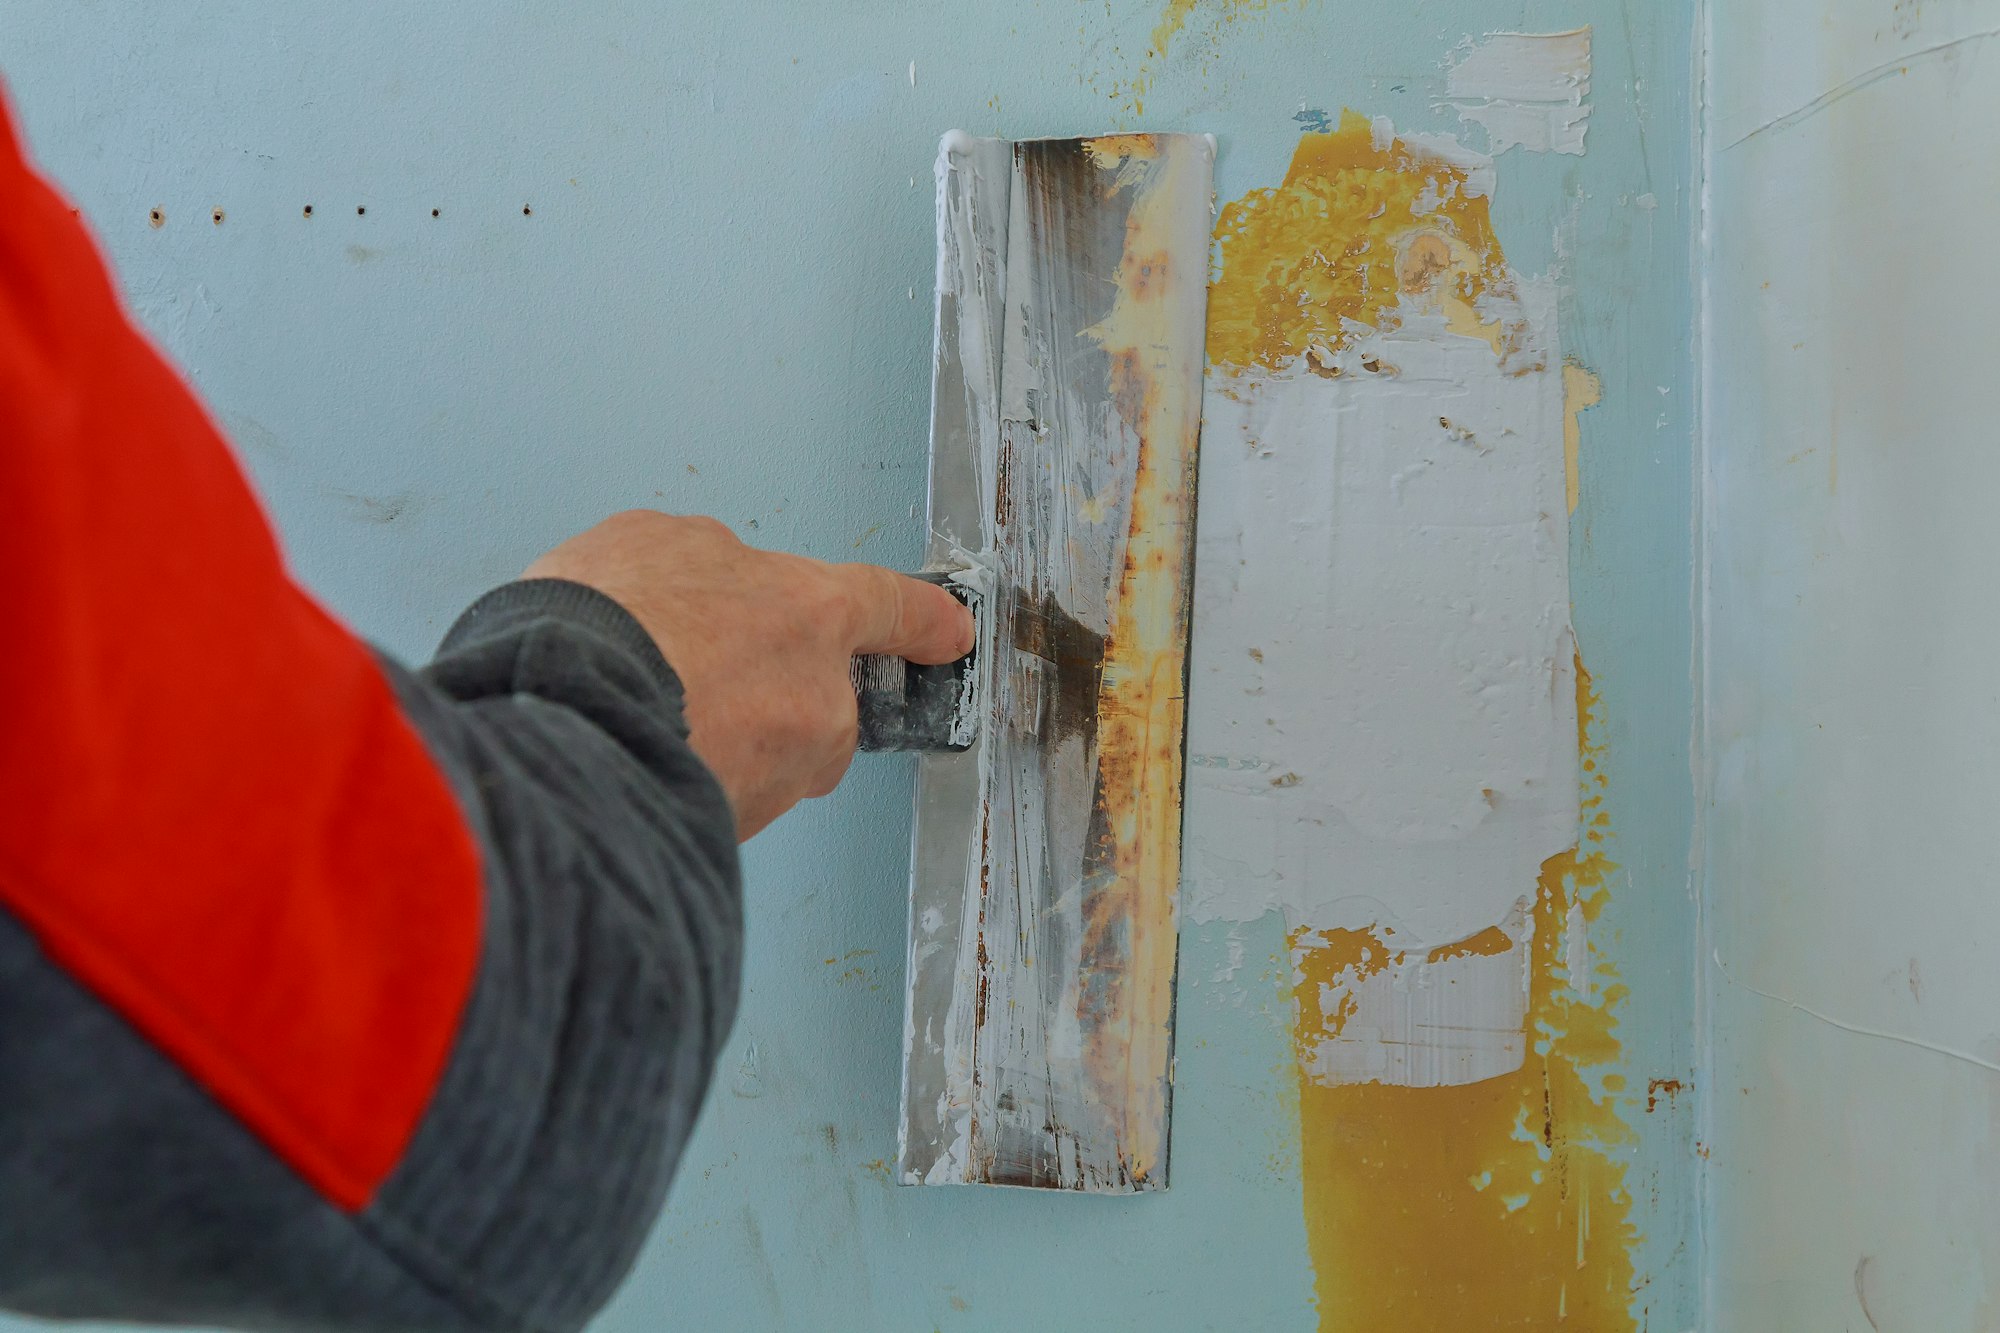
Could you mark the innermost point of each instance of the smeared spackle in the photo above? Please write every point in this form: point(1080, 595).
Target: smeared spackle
point(1662, 1089)
point(1386, 1013)
point(1400, 395)
point(1498, 1204)
point(1527, 89)
point(1039, 1035)
point(1581, 391)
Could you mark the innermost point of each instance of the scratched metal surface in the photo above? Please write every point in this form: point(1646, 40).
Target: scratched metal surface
point(1045, 870)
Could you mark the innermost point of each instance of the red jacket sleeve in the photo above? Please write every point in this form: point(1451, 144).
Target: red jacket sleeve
point(212, 811)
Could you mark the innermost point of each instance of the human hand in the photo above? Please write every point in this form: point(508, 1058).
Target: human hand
point(761, 642)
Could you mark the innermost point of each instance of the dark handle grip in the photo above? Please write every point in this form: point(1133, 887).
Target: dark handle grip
point(904, 706)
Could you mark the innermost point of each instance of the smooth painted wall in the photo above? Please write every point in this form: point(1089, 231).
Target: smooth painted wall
point(1854, 722)
point(720, 301)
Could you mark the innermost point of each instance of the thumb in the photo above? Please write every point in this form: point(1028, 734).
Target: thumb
point(904, 616)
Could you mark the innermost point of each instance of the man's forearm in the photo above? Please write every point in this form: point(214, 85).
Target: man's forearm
point(331, 995)
point(606, 983)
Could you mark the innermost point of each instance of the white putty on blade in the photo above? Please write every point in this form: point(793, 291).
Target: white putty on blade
point(1072, 280)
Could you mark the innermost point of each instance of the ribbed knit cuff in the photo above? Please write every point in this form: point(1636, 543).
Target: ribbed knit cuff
point(514, 605)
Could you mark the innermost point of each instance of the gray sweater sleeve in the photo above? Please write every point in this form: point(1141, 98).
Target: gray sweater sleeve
point(611, 951)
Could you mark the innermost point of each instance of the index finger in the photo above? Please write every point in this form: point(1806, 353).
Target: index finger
point(894, 613)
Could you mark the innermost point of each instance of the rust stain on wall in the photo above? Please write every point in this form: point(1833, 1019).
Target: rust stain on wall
point(1494, 1205)
point(1341, 960)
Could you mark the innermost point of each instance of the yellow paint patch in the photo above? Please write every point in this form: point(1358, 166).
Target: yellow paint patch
point(1581, 390)
point(1498, 1204)
point(1493, 1205)
point(1356, 229)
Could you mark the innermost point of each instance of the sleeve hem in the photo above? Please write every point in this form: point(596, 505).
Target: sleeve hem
point(515, 604)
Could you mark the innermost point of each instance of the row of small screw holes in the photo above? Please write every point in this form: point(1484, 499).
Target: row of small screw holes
point(158, 217)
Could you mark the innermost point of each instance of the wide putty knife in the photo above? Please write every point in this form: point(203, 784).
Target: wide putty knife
point(1066, 409)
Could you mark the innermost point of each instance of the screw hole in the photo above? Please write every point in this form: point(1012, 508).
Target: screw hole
point(360, 210)
point(216, 217)
point(309, 210)
point(156, 217)
point(526, 211)
point(434, 212)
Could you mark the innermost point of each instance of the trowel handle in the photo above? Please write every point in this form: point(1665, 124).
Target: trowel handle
point(905, 706)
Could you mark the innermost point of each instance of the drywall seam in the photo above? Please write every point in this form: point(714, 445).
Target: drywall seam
point(1526, 90)
point(1699, 743)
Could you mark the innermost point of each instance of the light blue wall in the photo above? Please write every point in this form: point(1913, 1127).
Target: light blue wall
point(721, 302)
point(1853, 721)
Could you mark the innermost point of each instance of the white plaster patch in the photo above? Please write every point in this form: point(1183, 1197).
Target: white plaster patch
point(1526, 90)
point(1421, 1022)
point(1576, 950)
point(1383, 687)
point(1382, 707)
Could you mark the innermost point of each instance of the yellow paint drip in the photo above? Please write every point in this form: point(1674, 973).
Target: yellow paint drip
point(1355, 229)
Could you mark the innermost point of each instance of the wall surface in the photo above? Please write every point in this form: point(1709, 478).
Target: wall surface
point(628, 254)
point(1855, 1013)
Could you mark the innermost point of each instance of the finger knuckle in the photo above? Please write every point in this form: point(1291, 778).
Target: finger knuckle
point(823, 605)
